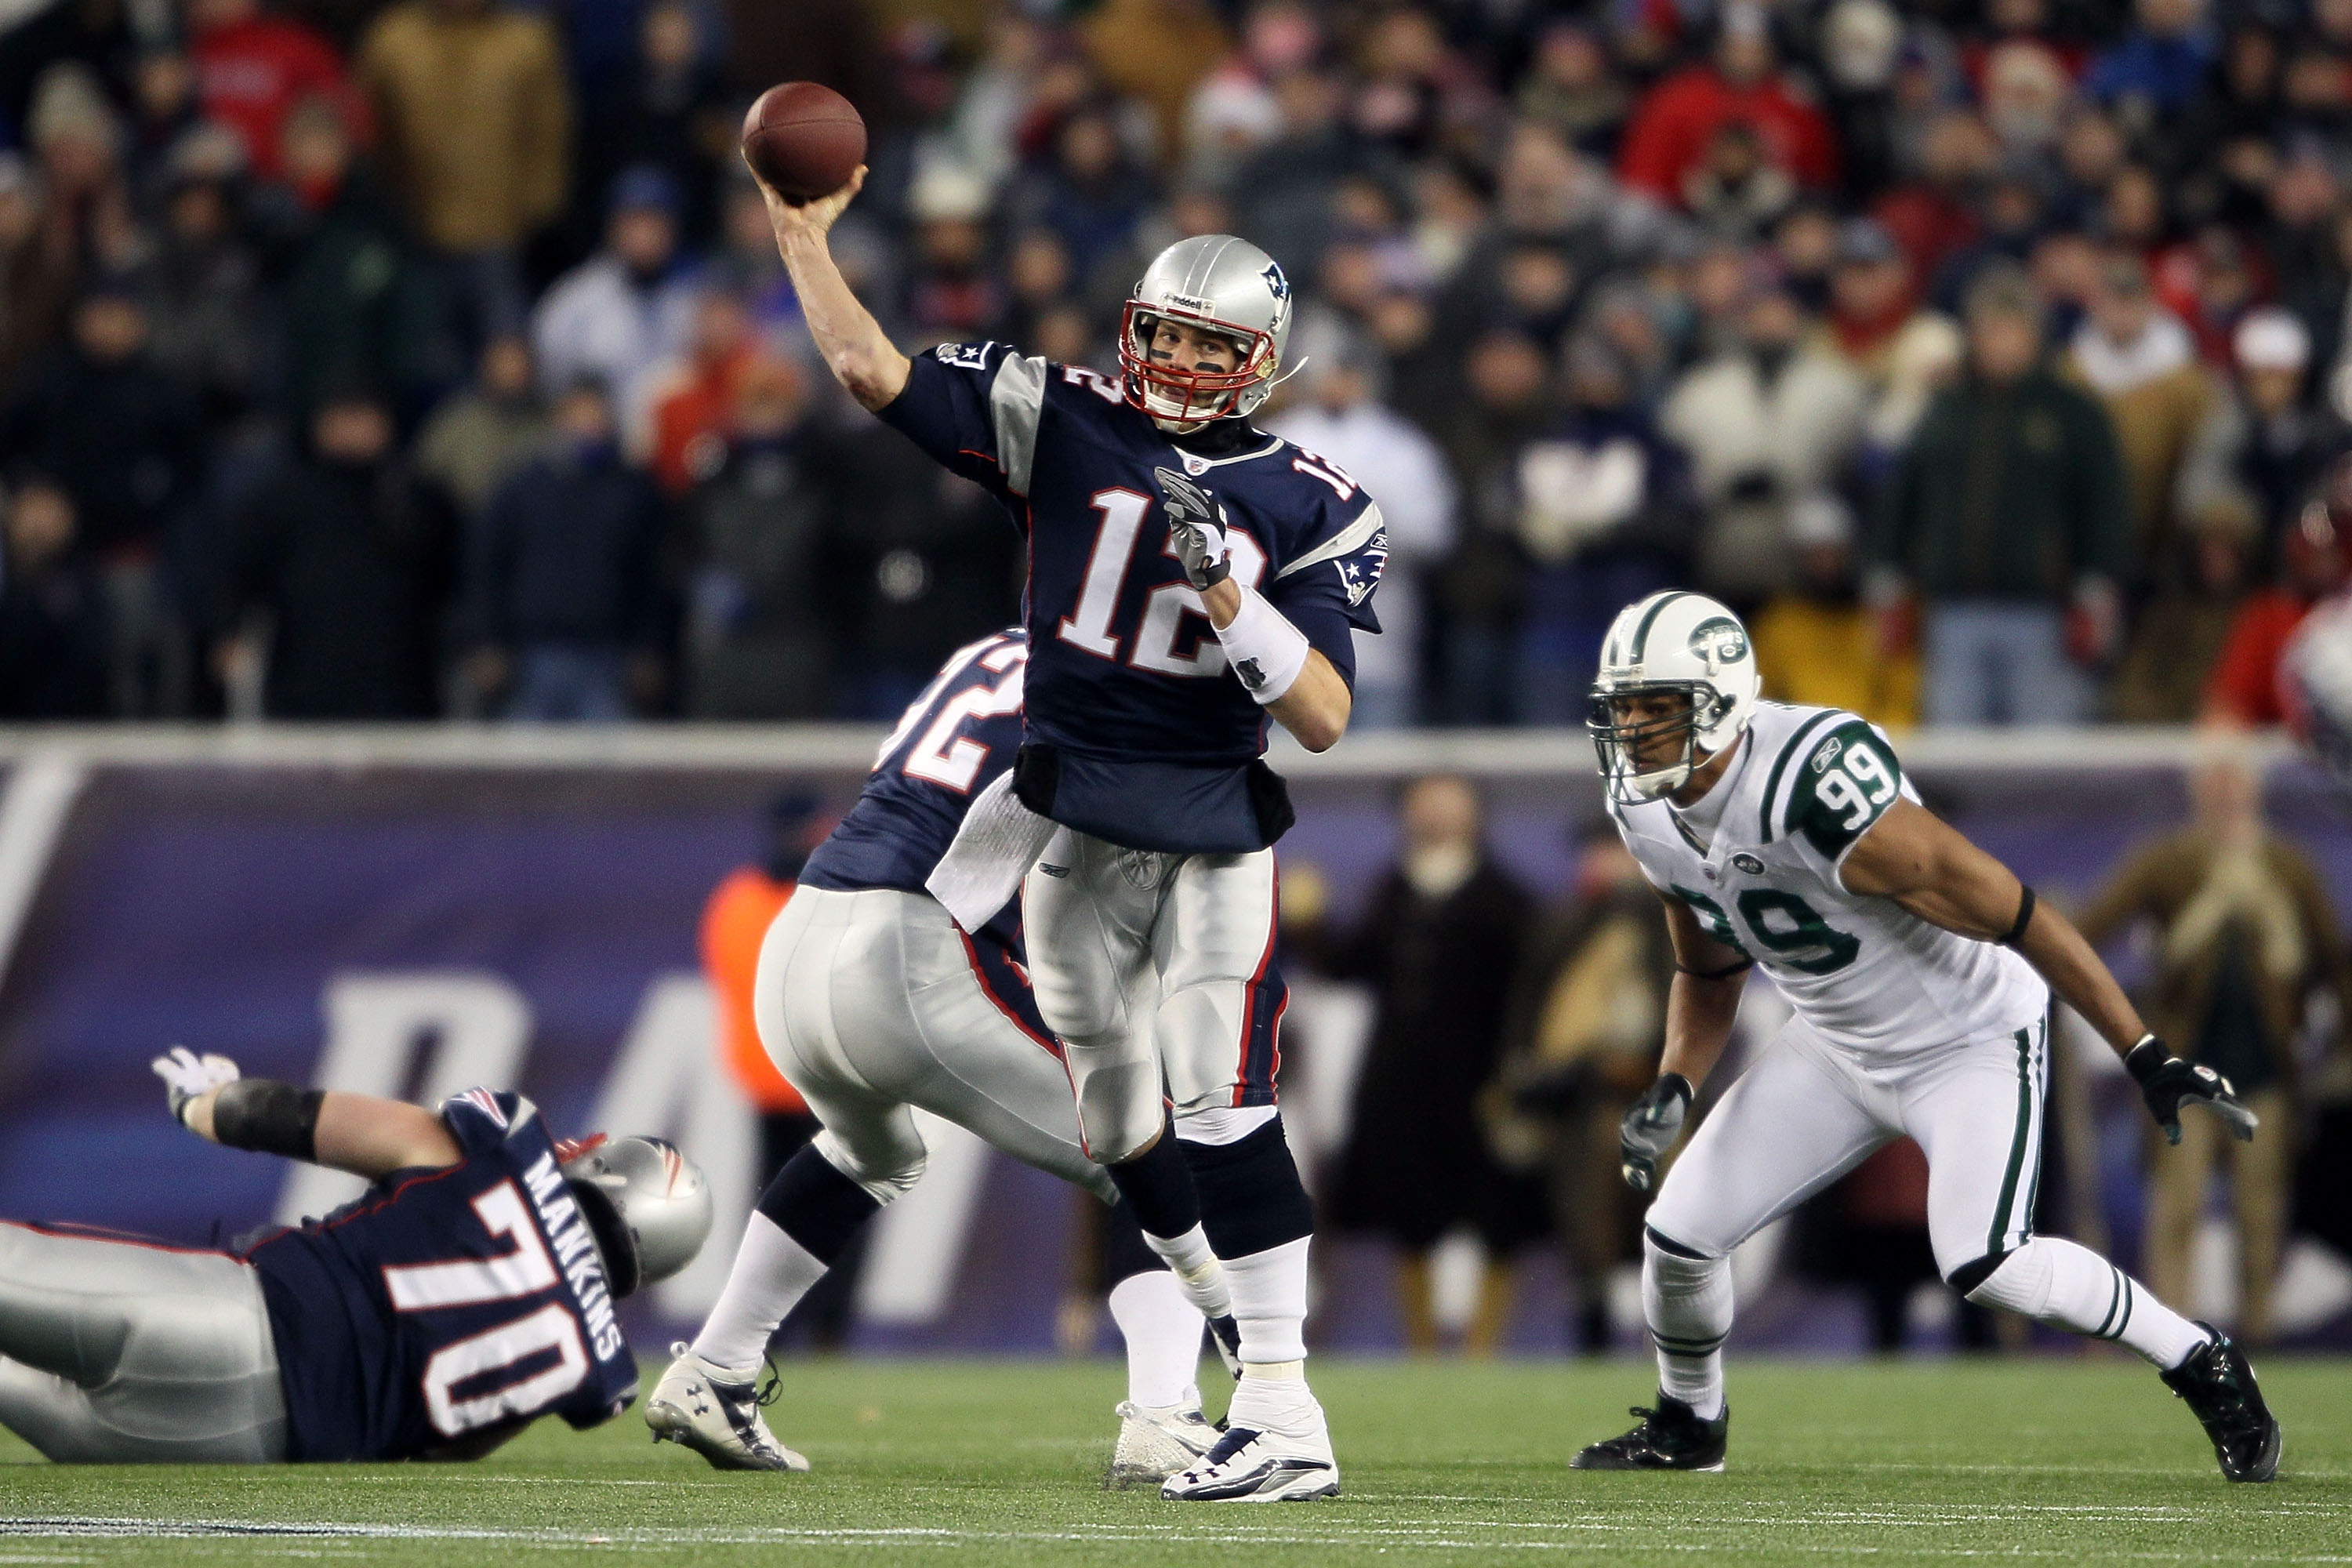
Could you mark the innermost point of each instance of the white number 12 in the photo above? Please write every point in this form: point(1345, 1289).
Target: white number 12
point(1123, 511)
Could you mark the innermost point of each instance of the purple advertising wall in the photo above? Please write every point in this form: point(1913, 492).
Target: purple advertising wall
point(412, 930)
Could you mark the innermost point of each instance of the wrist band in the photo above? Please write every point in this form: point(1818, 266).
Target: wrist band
point(2016, 932)
point(1675, 1083)
point(2145, 1057)
point(1266, 650)
point(269, 1117)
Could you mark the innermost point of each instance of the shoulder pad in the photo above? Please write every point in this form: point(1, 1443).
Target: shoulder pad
point(1841, 778)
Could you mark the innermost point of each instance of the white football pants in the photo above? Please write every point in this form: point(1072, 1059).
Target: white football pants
point(1805, 1112)
point(1153, 969)
point(869, 1002)
point(115, 1352)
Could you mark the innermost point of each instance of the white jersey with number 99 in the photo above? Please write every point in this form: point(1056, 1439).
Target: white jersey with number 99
point(1863, 972)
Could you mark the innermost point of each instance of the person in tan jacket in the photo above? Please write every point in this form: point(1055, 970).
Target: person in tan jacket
point(2244, 933)
point(2142, 364)
point(471, 103)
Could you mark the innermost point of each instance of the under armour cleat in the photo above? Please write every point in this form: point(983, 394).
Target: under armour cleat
point(2218, 1382)
point(1670, 1438)
point(1226, 1335)
point(1260, 1466)
point(717, 1415)
point(1155, 1442)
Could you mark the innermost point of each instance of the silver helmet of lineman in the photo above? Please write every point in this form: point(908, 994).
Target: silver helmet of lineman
point(1220, 284)
point(1672, 644)
point(647, 1203)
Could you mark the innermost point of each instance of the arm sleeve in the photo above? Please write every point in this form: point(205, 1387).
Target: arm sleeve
point(482, 1118)
point(1327, 591)
point(975, 407)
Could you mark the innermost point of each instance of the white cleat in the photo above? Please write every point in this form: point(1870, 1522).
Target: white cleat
point(1155, 1442)
point(1260, 1466)
point(717, 1415)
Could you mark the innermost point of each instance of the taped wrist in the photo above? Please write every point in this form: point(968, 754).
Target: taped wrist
point(1266, 650)
point(269, 1117)
point(2144, 1060)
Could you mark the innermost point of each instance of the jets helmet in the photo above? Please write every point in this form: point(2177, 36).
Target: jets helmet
point(1220, 284)
point(646, 1205)
point(1675, 643)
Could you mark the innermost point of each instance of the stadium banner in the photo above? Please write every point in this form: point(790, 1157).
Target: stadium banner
point(415, 927)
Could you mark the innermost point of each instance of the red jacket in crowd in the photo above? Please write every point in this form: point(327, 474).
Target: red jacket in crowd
point(1671, 129)
point(251, 72)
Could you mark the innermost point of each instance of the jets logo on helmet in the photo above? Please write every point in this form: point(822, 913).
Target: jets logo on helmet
point(1215, 283)
point(1719, 641)
point(1676, 685)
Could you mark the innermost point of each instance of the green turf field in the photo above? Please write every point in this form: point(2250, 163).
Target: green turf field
point(966, 1464)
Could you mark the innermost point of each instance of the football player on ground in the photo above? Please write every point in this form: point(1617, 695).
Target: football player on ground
point(1189, 576)
point(469, 1293)
point(1921, 971)
point(871, 1001)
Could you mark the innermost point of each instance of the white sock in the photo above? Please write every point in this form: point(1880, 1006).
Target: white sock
point(2068, 1286)
point(1273, 1397)
point(1162, 1331)
point(1269, 1290)
point(1197, 1269)
point(771, 1273)
point(1687, 1302)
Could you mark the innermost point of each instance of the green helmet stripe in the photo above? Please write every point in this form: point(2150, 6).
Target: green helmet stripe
point(1642, 631)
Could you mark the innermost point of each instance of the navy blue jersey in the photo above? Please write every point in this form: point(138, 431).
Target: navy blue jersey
point(445, 1302)
point(952, 742)
point(1127, 683)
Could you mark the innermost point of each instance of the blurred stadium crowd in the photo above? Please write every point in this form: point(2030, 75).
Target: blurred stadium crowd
point(368, 361)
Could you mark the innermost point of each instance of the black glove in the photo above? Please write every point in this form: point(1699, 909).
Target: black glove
point(1196, 529)
point(1650, 1129)
point(2167, 1083)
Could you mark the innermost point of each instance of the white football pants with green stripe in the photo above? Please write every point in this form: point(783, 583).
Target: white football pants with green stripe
point(1805, 1112)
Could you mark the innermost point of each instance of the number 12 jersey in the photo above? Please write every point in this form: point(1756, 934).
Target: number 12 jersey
point(1127, 682)
point(1866, 973)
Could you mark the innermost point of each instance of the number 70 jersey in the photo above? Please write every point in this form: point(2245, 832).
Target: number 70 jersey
point(1866, 973)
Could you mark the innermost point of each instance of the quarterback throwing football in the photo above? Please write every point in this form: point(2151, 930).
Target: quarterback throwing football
point(1920, 971)
point(1189, 577)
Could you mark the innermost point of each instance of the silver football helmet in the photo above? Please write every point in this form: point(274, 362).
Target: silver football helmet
point(1670, 643)
point(647, 1205)
point(1221, 284)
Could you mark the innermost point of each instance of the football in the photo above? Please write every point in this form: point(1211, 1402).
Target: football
point(804, 139)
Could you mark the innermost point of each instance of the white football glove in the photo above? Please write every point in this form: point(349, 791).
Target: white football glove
point(186, 1075)
point(1196, 527)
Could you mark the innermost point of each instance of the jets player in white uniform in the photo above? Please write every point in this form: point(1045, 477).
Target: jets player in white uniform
point(1920, 971)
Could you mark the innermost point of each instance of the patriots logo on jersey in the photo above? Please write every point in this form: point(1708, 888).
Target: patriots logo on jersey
point(1360, 574)
point(963, 356)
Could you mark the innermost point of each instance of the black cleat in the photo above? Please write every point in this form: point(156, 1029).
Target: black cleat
point(2218, 1383)
point(1671, 1438)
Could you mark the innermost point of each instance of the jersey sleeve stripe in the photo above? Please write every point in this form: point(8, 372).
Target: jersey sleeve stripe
point(1345, 543)
point(1016, 400)
point(1765, 815)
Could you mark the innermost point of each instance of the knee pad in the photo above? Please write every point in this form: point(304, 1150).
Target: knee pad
point(824, 1191)
point(1251, 1197)
point(1120, 1108)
